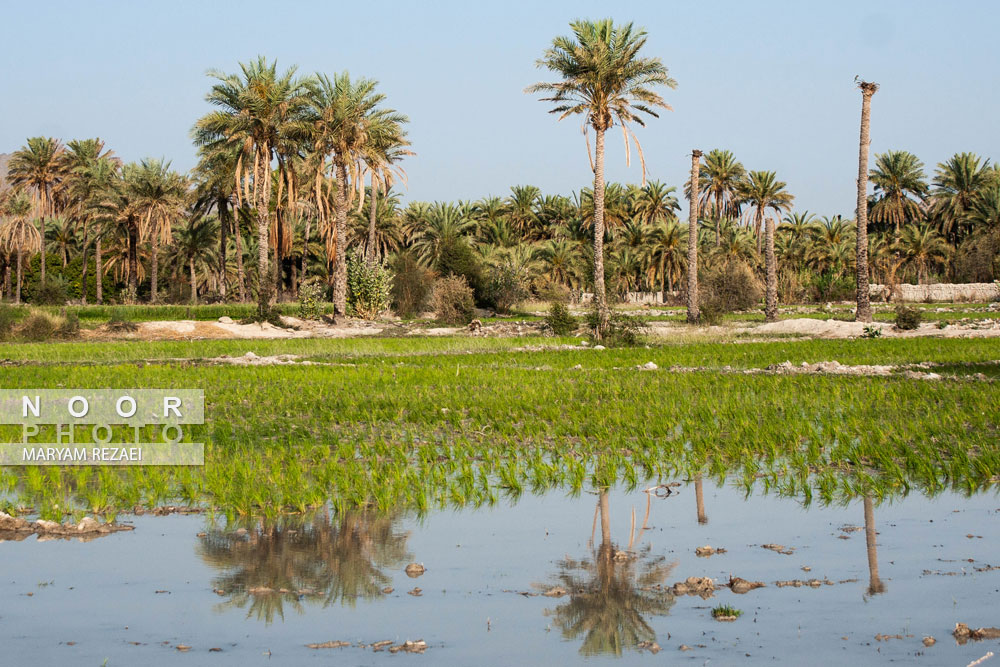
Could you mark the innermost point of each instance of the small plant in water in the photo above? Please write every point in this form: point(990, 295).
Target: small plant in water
point(726, 612)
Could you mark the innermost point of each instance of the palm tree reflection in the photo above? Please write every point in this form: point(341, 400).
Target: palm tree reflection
point(295, 558)
point(611, 591)
point(875, 584)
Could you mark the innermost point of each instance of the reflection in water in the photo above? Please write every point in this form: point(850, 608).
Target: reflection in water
point(699, 500)
point(610, 591)
point(875, 584)
point(295, 558)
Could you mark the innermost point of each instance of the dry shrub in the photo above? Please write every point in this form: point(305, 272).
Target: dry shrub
point(729, 287)
point(454, 302)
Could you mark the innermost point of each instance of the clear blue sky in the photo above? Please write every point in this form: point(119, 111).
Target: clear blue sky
point(771, 81)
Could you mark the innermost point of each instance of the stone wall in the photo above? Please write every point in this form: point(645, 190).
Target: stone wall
point(941, 292)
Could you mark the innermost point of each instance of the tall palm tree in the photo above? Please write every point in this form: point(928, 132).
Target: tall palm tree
point(346, 116)
point(722, 175)
point(900, 189)
point(655, 202)
point(157, 198)
point(762, 190)
point(216, 176)
point(62, 231)
point(89, 167)
point(520, 208)
point(922, 247)
point(604, 79)
point(259, 112)
point(864, 307)
point(18, 234)
point(38, 166)
point(957, 183)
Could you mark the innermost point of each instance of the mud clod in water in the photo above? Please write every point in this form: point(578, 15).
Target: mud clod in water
point(702, 586)
point(964, 633)
point(706, 551)
point(12, 527)
point(779, 548)
point(329, 644)
point(929, 641)
point(652, 647)
point(740, 586)
point(414, 570)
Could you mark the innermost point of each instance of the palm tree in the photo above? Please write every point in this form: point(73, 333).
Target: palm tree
point(216, 176)
point(761, 190)
point(89, 167)
point(259, 112)
point(193, 245)
point(665, 254)
point(561, 260)
point(956, 185)
point(18, 234)
point(923, 247)
point(386, 146)
point(520, 209)
point(900, 188)
point(864, 308)
point(694, 198)
point(722, 176)
point(346, 118)
point(441, 223)
point(62, 232)
point(157, 198)
point(38, 166)
point(655, 202)
point(605, 79)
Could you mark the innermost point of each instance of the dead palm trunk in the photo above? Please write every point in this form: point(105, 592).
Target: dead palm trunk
point(771, 291)
point(864, 311)
point(372, 213)
point(600, 298)
point(699, 500)
point(875, 584)
point(98, 271)
point(692, 306)
point(340, 260)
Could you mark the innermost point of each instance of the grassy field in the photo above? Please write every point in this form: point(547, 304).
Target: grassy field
point(423, 422)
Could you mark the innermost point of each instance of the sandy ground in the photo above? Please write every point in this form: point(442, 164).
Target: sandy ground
point(225, 328)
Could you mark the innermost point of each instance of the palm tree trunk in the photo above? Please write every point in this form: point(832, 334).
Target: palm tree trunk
point(98, 271)
point(45, 210)
point(875, 584)
point(663, 280)
point(223, 205)
point(372, 213)
point(83, 270)
point(605, 520)
point(262, 187)
point(771, 293)
point(8, 288)
point(864, 311)
point(240, 276)
point(305, 252)
point(718, 219)
point(20, 273)
point(692, 301)
point(133, 262)
point(154, 269)
point(194, 285)
point(340, 261)
point(600, 297)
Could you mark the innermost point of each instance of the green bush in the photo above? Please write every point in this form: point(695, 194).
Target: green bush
point(457, 258)
point(411, 286)
point(51, 293)
point(827, 287)
point(369, 289)
point(907, 318)
point(310, 300)
point(454, 302)
point(560, 320)
point(622, 329)
point(504, 288)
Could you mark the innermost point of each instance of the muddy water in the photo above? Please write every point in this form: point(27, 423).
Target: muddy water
point(263, 593)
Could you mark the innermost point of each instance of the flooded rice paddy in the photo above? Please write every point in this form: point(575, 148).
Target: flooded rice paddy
point(620, 577)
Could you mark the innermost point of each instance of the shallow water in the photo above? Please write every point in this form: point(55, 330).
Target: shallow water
point(103, 595)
